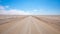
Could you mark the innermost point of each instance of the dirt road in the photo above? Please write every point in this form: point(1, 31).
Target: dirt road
point(28, 25)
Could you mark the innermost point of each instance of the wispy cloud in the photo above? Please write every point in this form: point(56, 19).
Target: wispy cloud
point(12, 11)
point(7, 6)
point(2, 7)
point(35, 10)
point(17, 12)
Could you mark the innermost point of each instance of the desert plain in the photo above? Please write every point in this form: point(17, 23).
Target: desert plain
point(29, 24)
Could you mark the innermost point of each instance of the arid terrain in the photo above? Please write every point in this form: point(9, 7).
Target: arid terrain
point(28, 24)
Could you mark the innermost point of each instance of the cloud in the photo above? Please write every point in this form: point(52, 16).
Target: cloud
point(12, 11)
point(35, 10)
point(2, 8)
point(7, 6)
point(17, 12)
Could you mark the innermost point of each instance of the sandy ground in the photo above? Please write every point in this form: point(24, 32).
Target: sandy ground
point(30, 25)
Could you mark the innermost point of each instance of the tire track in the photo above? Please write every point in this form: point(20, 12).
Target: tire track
point(12, 27)
point(45, 28)
point(27, 23)
point(26, 27)
point(52, 23)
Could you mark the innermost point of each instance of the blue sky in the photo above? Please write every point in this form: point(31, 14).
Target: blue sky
point(34, 7)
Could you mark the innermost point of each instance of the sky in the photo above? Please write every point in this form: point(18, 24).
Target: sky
point(30, 7)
